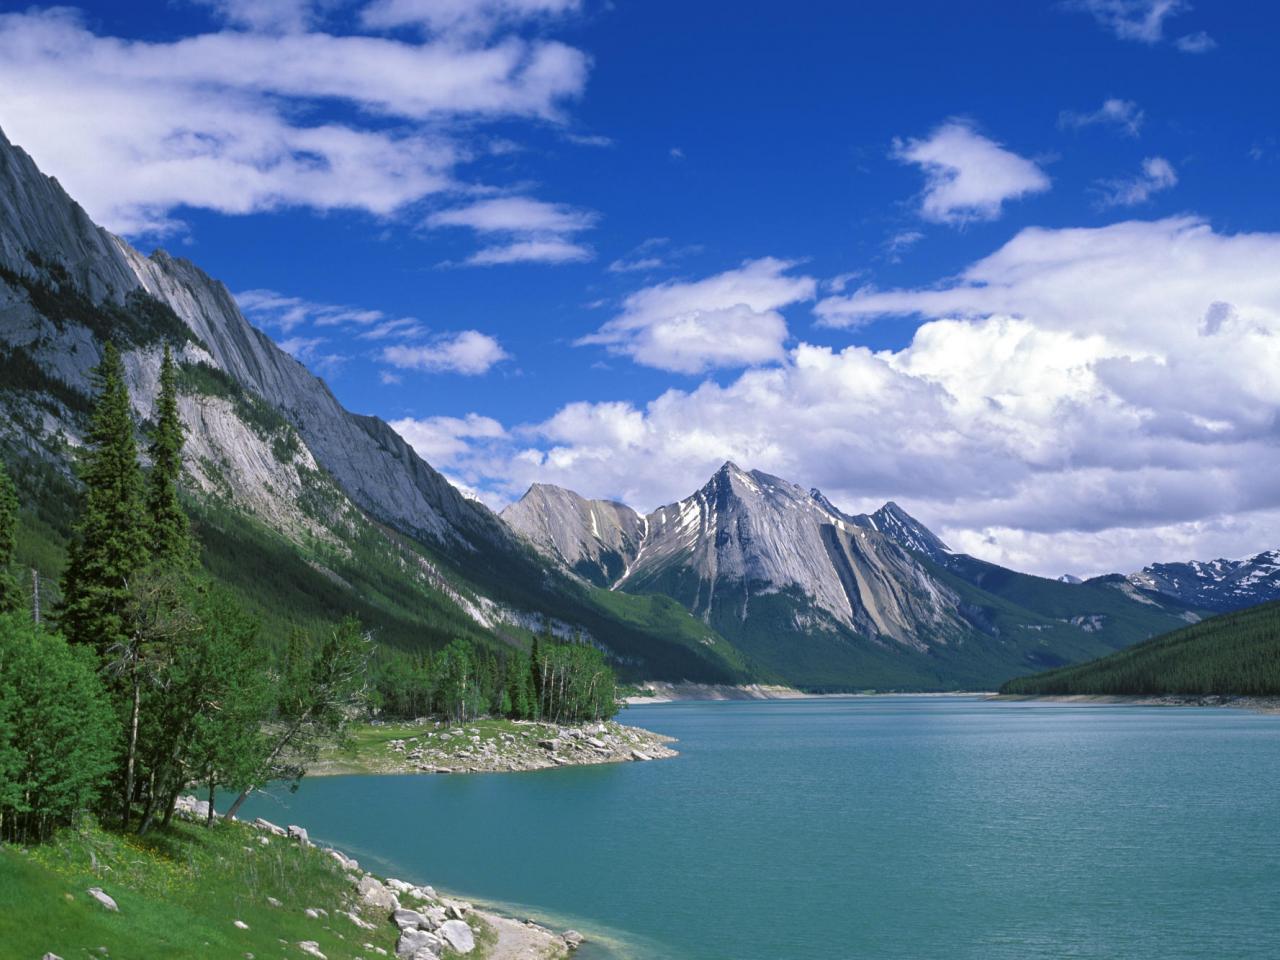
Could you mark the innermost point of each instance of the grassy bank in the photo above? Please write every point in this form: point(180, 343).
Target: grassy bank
point(179, 893)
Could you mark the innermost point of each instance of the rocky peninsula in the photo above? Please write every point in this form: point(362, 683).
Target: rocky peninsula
point(489, 746)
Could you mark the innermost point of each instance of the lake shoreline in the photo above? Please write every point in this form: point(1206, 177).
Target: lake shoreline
point(1267, 705)
point(427, 745)
point(664, 692)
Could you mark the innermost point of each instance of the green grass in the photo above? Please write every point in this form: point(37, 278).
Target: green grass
point(179, 891)
point(1236, 654)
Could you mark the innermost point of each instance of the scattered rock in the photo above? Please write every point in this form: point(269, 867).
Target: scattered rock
point(376, 894)
point(408, 919)
point(299, 834)
point(273, 901)
point(311, 947)
point(573, 939)
point(413, 942)
point(458, 936)
point(640, 755)
point(346, 862)
point(358, 920)
point(102, 898)
point(51, 956)
point(239, 924)
point(313, 914)
point(270, 827)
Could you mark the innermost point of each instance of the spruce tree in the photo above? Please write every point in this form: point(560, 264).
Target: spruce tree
point(169, 536)
point(110, 542)
point(10, 595)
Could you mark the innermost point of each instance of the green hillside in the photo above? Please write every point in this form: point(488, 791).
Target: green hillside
point(1236, 654)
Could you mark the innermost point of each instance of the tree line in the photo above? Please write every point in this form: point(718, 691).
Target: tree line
point(155, 678)
point(557, 682)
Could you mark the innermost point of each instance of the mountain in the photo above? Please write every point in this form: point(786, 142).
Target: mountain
point(1233, 654)
point(815, 596)
point(1218, 585)
point(597, 539)
point(306, 509)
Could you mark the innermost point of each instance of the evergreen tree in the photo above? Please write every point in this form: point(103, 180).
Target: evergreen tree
point(56, 731)
point(110, 543)
point(10, 594)
point(169, 536)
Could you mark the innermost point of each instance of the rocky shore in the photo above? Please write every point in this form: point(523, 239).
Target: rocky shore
point(491, 746)
point(426, 925)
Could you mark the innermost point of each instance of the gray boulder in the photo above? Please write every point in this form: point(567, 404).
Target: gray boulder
point(102, 898)
point(376, 894)
point(408, 919)
point(458, 936)
point(412, 943)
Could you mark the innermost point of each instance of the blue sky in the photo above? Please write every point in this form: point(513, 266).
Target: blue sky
point(1011, 270)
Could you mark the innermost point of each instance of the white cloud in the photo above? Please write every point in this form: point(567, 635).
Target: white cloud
point(551, 250)
point(307, 350)
point(1125, 115)
point(515, 215)
point(538, 232)
point(135, 129)
point(1143, 21)
point(968, 176)
point(269, 308)
point(900, 242)
point(440, 440)
point(638, 265)
point(727, 320)
point(1080, 400)
point(1199, 42)
point(267, 15)
point(461, 16)
point(1157, 174)
point(469, 352)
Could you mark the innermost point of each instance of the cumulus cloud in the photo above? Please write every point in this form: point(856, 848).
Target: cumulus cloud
point(1125, 115)
point(1157, 174)
point(1079, 400)
point(223, 121)
point(727, 320)
point(536, 231)
point(1199, 42)
point(440, 440)
point(968, 176)
point(469, 352)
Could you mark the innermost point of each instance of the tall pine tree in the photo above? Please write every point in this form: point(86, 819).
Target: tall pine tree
point(169, 537)
point(10, 595)
point(110, 542)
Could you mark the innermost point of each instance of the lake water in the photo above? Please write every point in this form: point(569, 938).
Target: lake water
point(912, 828)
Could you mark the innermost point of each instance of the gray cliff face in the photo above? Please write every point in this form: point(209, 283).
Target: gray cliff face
point(749, 533)
point(376, 468)
point(1220, 585)
point(598, 539)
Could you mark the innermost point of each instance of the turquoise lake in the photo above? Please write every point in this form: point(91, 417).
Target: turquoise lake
point(897, 827)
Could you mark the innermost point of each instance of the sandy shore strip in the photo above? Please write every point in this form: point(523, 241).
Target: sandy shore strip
point(663, 692)
point(1269, 705)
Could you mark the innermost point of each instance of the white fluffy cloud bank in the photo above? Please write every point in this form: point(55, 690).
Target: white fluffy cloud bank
point(727, 320)
point(1080, 400)
point(227, 121)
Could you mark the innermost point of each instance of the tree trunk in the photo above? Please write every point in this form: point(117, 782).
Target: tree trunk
point(212, 793)
point(275, 752)
point(132, 751)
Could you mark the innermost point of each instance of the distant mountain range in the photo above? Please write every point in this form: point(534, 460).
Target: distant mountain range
point(814, 595)
point(1218, 585)
point(309, 511)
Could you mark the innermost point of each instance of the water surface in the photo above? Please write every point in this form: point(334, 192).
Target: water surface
point(906, 828)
